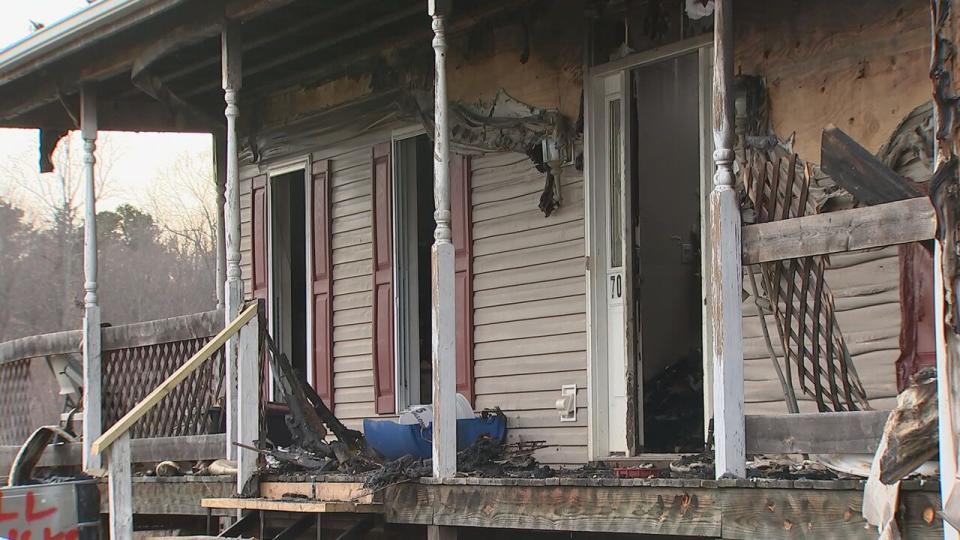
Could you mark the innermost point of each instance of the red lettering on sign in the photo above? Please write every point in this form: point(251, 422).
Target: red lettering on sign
point(5, 516)
point(32, 515)
point(14, 534)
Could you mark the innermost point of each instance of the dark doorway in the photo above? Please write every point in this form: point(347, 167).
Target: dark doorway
point(666, 239)
point(414, 231)
point(288, 236)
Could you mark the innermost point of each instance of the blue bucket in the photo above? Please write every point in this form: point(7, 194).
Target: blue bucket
point(394, 440)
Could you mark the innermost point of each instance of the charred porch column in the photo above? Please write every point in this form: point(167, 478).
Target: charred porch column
point(726, 272)
point(444, 314)
point(92, 374)
point(233, 288)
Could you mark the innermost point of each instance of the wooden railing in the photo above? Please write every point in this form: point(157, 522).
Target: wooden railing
point(136, 357)
point(115, 441)
point(909, 220)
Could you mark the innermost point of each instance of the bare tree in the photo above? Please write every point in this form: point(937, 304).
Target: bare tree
point(183, 200)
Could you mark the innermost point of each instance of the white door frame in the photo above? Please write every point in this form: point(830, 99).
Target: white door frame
point(405, 284)
point(273, 170)
point(603, 83)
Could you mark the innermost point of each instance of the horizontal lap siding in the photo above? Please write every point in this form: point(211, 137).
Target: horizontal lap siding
point(352, 237)
point(529, 303)
point(866, 289)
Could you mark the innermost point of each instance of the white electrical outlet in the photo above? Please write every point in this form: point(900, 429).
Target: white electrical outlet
point(567, 404)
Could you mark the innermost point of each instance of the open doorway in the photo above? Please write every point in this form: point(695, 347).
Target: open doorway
point(414, 227)
point(666, 229)
point(288, 302)
point(650, 154)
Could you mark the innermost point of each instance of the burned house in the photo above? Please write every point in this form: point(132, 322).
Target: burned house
point(637, 228)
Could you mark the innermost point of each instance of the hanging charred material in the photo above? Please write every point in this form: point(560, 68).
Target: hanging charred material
point(308, 422)
point(911, 429)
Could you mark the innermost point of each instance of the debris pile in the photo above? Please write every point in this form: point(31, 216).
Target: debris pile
point(487, 457)
point(308, 422)
point(673, 407)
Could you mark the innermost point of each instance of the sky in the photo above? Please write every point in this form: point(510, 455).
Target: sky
point(137, 158)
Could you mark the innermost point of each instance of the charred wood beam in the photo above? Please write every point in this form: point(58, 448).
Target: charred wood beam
point(860, 172)
point(138, 114)
point(271, 37)
point(343, 63)
point(319, 46)
point(155, 88)
point(912, 220)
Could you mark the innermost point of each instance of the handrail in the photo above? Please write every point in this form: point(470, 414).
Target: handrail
point(178, 376)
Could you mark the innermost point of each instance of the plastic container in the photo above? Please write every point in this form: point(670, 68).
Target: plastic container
point(394, 440)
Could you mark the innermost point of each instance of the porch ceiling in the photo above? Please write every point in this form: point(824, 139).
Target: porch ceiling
point(161, 70)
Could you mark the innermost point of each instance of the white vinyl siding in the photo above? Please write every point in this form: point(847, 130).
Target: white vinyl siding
point(529, 303)
point(866, 288)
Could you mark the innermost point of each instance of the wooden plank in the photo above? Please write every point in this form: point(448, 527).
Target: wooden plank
point(193, 326)
point(312, 507)
point(352, 492)
point(910, 220)
point(248, 386)
point(119, 488)
point(827, 511)
point(860, 172)
point(174, 496)
point(184, 371)
point(658, 511)
point(815, 433)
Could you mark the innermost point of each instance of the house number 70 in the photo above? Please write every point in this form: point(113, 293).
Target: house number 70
point(616, 286)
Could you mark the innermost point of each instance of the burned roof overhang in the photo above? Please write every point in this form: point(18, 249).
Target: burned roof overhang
point(162, 72)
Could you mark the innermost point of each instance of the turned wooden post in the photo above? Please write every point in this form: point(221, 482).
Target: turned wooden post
point(92, 374)
point(444, 314)
point(233, 288)
point(725, 269)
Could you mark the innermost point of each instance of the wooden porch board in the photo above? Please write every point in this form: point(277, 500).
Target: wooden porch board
point(815, 433)
point(150, 450)
point(746, 513)
point(175, 495)
point(910, 220)
point(302, 506)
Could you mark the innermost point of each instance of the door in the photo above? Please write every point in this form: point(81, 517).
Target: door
point(648, 152)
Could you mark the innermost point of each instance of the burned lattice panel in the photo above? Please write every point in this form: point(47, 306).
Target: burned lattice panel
point(801, 301)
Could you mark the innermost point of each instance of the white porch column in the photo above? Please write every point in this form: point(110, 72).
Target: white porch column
point(233, 288)
point(444, 323)
point(725, 269)
point(92, 421)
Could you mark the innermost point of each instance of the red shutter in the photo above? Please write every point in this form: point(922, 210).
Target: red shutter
point(258, 224)
point(918, 339)
point(463, 245)
point(383, 352)
point(322, 283)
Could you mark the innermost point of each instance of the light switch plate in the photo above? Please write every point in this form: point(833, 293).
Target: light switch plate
point(568, 397)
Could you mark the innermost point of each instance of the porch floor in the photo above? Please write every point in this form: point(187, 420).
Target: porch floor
point(734, 509)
